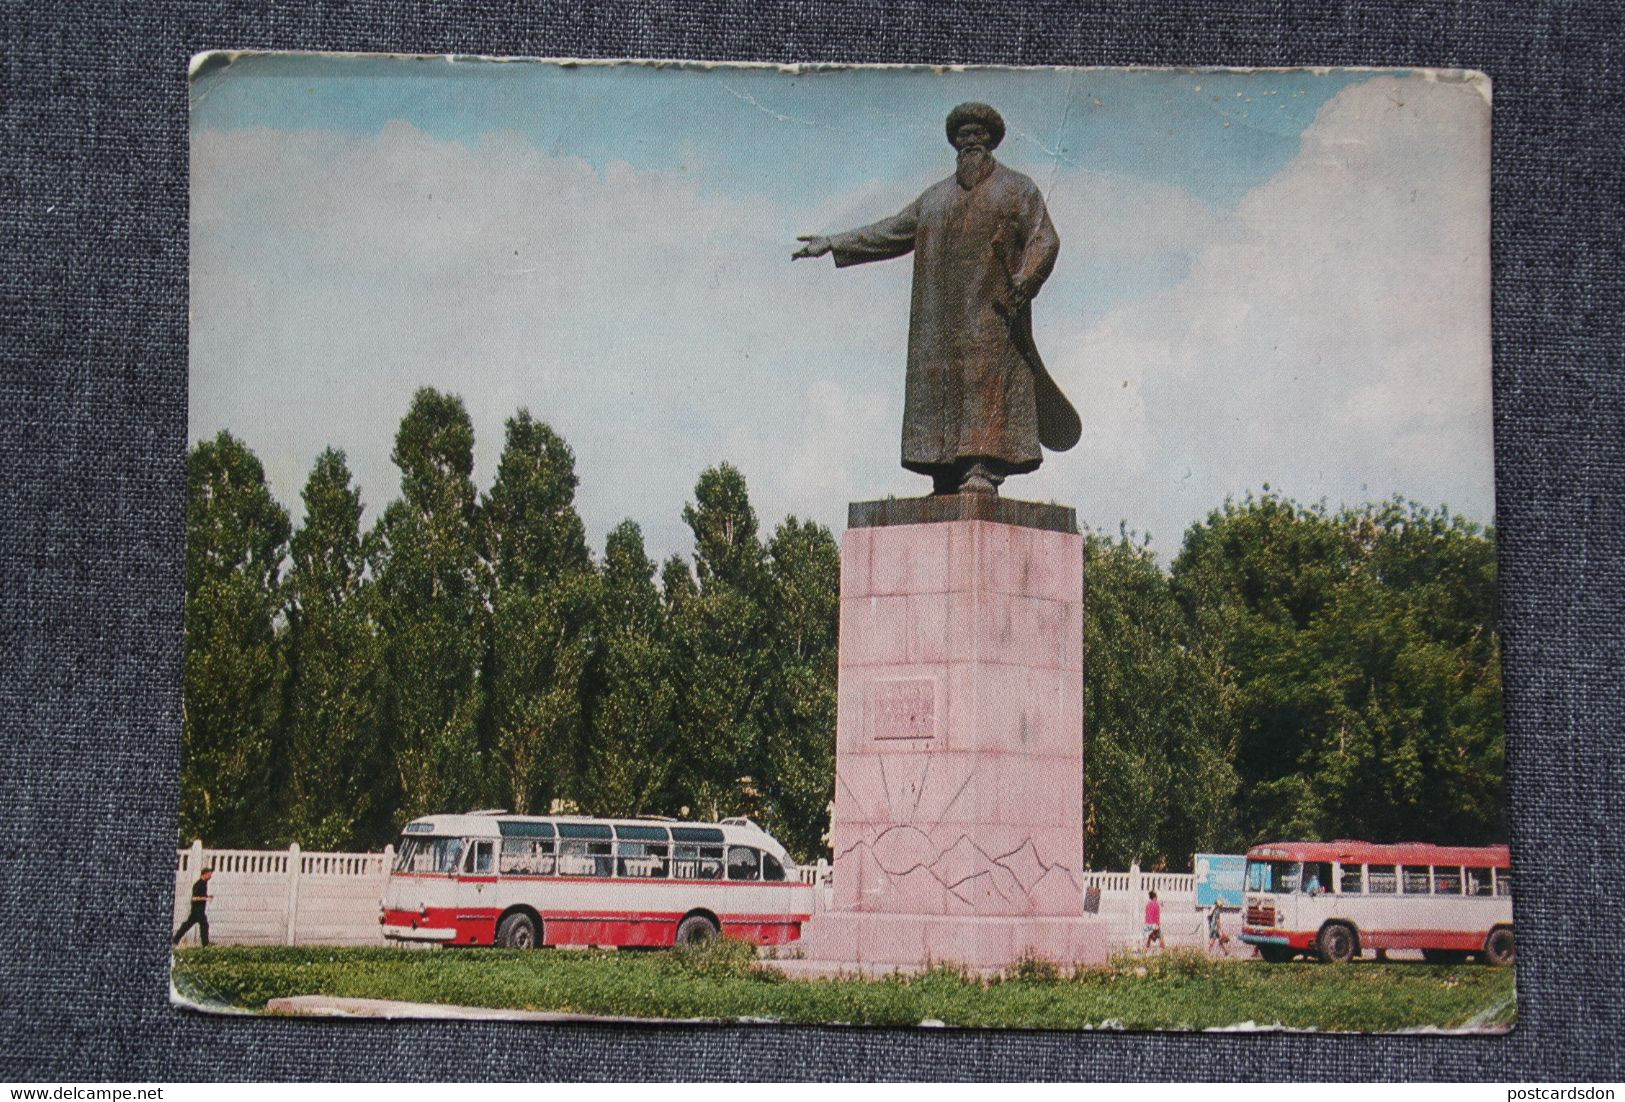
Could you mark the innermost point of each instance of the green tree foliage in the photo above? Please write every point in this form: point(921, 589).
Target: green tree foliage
point(727, 552)
point(541, 644)
point(798, 758)
point(432, 611)
point(1293, 674)
point(533, 534)
point(542, 618)
point(1160, 782)
point(1364, 666)
point(676, 584)
point(630, 756)
point(232, 664)
point(719, 639)
point(337, 781)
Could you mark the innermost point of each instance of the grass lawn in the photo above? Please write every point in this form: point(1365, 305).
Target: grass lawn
point(1179, 990)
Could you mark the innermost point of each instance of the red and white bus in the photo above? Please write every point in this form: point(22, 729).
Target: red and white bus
point(519, 881)
point(1337, 900)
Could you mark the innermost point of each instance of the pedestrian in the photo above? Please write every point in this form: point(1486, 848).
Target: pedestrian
point(1216, 937)
point(199, 915)
point(1153, 923)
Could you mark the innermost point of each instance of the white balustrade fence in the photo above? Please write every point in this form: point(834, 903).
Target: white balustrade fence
point(1123, 896)
point(818, 875)
point(285, 897)
point(289, 897)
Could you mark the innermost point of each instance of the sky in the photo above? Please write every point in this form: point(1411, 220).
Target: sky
point(1270, 278)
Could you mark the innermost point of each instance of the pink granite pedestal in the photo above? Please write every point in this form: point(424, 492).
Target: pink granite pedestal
point(958, 822)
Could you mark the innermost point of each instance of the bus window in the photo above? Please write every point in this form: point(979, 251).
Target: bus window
point(584, 857)
point(527, 856)
point(1380, 880)
point(692, 862)
point(1446, 880)
point(404, 855)
point(771, 869)
point(696, 834)
point(1503, 881)
point(1479, 882)
point(1317, 877)
point(1350, 884)
point(479, 859)
point(744, 863)
point(1418, 879)
point(1275, 877)
point(429, 855)
point(639, 832)
point(642, 860)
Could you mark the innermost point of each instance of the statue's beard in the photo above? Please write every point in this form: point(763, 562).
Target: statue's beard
point(974, 164)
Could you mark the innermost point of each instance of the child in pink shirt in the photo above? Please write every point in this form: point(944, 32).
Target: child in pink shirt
point(1153, 922)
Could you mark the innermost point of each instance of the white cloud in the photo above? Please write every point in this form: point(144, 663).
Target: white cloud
point(1329, 336)
point(659, 328)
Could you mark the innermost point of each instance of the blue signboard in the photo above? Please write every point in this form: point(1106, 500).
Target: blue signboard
point(1219, 878)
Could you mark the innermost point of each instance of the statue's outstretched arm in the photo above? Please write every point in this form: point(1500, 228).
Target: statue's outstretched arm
point(882, 240)
point(812, 245)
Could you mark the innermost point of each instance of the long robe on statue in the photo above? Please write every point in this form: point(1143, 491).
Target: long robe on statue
point(971, 359)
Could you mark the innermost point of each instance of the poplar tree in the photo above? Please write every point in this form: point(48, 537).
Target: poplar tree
point(542, 630)
point(803, 614)
point(338, 787)
point(630, 754)
point(432, 612)
point(720, 639)
point(236, 539)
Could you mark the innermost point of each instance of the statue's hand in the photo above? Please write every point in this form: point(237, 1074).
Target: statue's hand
point(815, 246)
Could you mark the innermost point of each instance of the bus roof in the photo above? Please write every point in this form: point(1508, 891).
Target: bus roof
point(1395, 853)
point(489, 824)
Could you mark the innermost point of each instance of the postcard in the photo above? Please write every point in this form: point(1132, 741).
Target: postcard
point(983, 547)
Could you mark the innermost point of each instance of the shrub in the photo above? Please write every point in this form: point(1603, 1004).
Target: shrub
point(1030, 967)
point(1170, 964)
point(720, 958)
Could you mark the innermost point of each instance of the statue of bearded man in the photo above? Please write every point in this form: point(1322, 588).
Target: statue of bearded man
point(978, 402)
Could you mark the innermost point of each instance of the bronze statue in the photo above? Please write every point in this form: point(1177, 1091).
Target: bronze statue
point(978, 401)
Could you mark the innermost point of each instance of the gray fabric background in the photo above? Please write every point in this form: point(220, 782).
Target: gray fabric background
point(91, 449)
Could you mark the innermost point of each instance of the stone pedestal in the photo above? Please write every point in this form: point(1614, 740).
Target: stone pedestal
point(958, 824)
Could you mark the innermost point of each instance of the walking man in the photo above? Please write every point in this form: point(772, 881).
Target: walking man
point(199, 915)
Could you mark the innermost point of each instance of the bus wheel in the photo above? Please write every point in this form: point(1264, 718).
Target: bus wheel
point(1500, 947)
point(1335, 944)
point(696, 930)
point(518, 931)
point(1276, 954)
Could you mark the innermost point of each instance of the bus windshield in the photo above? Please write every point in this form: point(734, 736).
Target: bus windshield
point(1274, 877)
point(421, 854)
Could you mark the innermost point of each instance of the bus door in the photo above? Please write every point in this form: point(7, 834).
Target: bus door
point(480, 870)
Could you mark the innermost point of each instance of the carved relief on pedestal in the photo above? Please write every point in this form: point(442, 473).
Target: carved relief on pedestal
point(902, 708)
